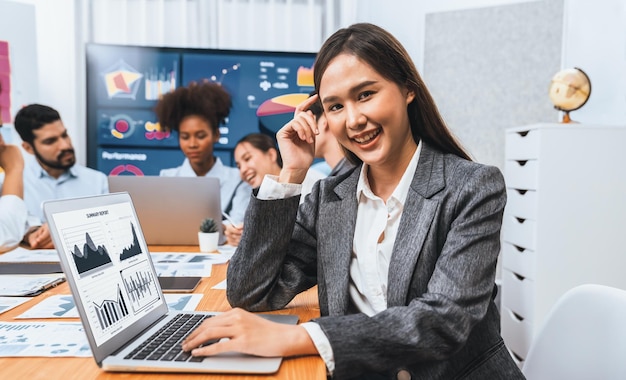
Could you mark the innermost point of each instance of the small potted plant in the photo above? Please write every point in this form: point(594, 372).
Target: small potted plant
point(208, 236)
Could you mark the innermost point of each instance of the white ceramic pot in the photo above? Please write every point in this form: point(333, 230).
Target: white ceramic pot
point(208, 241)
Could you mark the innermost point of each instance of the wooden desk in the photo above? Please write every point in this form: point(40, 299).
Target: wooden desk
point(304, 305)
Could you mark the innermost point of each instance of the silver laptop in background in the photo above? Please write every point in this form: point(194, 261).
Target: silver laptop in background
point(117, 294)
point(170, 209)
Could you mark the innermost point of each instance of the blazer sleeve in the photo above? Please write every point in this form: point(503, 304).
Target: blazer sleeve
point(271, 264)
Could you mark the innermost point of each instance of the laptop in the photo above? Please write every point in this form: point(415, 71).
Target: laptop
point(114, 284)
point(170, 209)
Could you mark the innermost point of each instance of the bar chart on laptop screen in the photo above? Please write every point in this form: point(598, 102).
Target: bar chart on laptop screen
point(104, 299)
point(111, 311)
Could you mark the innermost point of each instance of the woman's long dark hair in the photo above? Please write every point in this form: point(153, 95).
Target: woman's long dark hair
point(384, 53)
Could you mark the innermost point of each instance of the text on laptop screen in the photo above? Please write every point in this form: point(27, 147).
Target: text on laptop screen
point(114, 276)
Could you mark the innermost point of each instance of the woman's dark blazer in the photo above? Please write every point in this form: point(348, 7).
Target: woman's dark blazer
point(441, 321)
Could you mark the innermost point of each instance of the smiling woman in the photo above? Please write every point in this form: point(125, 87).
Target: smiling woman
point(196, 112)
point(403, 248)
point(256, 156)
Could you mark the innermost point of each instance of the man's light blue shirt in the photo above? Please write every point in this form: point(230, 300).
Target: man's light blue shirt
point(231, 186)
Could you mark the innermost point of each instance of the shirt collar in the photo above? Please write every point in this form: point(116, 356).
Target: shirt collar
point(216, 171)
point(73, 171)
point(399, 194)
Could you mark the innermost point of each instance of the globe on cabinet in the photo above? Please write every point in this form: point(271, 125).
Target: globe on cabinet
point(569, 90)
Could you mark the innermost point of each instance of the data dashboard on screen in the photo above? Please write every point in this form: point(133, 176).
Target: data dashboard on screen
point(124, 84)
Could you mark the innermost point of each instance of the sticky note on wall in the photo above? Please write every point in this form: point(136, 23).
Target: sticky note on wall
point(5, 83)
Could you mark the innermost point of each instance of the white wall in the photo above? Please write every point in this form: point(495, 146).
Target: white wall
point(18, 28)
point(60, 64)
point(595, 41)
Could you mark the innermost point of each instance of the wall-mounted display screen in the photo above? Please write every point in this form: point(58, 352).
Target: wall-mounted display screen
point(124, 84)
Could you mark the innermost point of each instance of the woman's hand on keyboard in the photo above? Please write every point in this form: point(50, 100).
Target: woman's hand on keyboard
point(250, 334)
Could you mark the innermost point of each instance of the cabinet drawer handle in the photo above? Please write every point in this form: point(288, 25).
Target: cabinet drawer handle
point(521, 162)
point(523, 133)
point(521, 191)
point(521, 278)
point(519, 249)
point(520, 220)
point(517, 357)
point(517, 316)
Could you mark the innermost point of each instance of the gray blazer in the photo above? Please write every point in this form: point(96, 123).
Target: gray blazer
point(441, 321)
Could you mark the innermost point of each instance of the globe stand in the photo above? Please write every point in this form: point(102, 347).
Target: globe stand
point(566, 119)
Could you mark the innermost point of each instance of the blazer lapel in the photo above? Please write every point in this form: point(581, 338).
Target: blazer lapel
point(339, 217)
point(417, 217)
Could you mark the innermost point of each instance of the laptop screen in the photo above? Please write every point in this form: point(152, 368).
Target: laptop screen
point(170, 209)
point(107, 263)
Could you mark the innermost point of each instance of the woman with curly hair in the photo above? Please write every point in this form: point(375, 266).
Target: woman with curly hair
point(195, 112)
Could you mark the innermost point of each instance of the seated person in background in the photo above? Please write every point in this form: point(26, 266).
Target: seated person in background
point(326, 145)
point(51, 172)
point(196, 113)
point(256, 156)
point(13, 213)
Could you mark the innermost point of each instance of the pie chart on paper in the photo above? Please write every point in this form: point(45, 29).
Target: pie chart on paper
point(278, 111)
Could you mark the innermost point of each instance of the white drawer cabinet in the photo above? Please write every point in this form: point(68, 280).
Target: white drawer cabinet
point(564, 221)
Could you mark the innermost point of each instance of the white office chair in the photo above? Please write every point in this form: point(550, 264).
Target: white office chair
point(582, 338)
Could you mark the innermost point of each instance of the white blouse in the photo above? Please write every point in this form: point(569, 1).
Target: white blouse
point(13, 219)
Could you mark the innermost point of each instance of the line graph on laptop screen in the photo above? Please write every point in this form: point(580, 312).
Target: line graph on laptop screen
point(87, 245)
point(110, 266)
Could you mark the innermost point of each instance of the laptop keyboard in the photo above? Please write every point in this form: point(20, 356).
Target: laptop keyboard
point(165, 344)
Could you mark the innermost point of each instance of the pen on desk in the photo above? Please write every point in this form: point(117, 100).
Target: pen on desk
point(235, 224)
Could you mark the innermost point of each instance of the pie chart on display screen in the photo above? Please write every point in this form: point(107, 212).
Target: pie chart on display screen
point(278, 111)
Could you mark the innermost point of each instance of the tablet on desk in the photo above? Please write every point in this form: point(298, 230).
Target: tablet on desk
point(179, 284)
